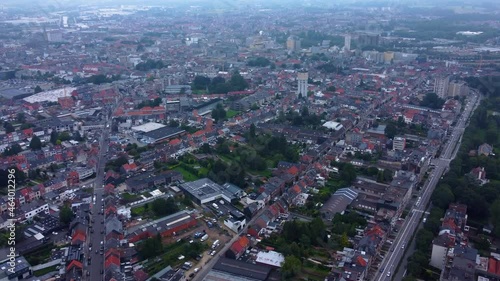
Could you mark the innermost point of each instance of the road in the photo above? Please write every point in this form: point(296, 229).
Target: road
point(96, 232)
point(207, 267)
point(410, 226)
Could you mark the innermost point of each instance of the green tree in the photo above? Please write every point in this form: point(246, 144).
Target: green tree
point(344, 240)
point(66, 215)
point(12, 150)
point(219, 113)
point(433, 101)
point(391, 130)
point(495, 216)
point(173, 123)
point(442, 196)
point(291, 267)
point(8, 127)
point(20, 117)
point(38, 89)
point(238, 83)
point(164, 207)
point(64, 136)
point(54, 136)
point(252, 131)
point(35, 143)
point(348, 173)
point(151, 247)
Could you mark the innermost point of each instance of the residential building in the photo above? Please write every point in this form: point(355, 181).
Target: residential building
point(347, 42)
point(399, 143)
point(441, 85)
point(293, 44)
point(302, 78)
point(453, 232)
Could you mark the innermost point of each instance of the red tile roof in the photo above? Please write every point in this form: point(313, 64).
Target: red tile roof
point(74, 263)
point(361, 261)
point(112, 259)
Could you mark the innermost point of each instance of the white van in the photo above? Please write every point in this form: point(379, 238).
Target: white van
point(215, 206)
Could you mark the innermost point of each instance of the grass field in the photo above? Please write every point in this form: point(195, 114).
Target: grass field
point(231, 113)
point(188, 176)
point(45, 270)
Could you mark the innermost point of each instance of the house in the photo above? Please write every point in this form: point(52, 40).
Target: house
point(238, 248)
point(148, 180)
point(235, 225)
point(478, 175)
point(452, 232)
point(166, 226)
point(485, 149)
point(129, 168)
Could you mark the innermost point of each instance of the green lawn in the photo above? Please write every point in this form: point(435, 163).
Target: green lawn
point(130, 197)
point(186, 174)
point(137, 211)
point(231, 113)
point(199, 92)
point(45, 270)
point(170, 256)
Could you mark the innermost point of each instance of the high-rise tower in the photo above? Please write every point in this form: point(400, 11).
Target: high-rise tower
point(302, 77)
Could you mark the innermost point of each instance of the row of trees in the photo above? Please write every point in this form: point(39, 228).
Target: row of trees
point(102, 79)
point(259, 61)
point(219, 113)
point(150, 103)
point(432, 100)
point(219, 85)
point(150, 64)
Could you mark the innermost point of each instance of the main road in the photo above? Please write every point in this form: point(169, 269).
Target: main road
point(396, 252)
point(95, 240)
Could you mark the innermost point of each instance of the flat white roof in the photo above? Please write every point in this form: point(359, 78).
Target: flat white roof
point(271, 258)
point(148, 127)
point(333, 125)
point(50, 96)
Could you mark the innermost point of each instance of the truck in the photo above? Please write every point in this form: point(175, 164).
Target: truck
point(204, 238)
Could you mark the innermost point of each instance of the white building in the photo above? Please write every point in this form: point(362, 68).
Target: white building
point(271, 258)
point(85, 173)
point(54, 36)
point(333, 125)
point(399, 143)
point(30, 210)
point(302, 77)
point(235, 225)
point(441, 85)
point(347, 42)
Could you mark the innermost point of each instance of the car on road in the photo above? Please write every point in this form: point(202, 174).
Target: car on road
point(389, 274)
point(381, 270)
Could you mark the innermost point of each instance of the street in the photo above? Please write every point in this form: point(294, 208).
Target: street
point(411, 224)
point(94, 248)
point(207, 267)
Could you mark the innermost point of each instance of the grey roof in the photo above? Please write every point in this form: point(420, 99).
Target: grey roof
point(113, 224)
point(205, 188)
point(163, 133)
point(244, 269)
point(338, 202)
